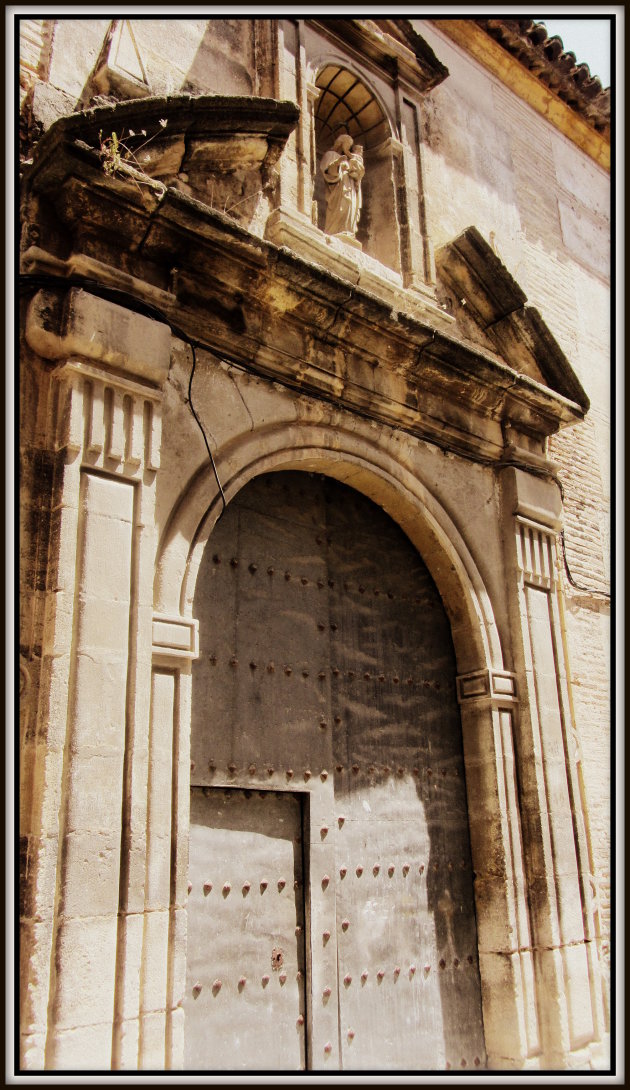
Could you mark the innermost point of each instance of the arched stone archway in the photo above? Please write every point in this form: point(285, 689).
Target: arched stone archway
point(486, 691)
point(356, 459)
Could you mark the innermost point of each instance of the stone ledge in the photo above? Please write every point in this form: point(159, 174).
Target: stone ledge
point(352, 264)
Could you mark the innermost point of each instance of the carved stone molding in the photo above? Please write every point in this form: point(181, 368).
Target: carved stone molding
point(175, 640)
point(113, 422)
point(76, 323)
point(499, 686)
point(534, 552)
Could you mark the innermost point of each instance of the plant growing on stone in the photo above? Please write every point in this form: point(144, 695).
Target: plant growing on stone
point(116, 155)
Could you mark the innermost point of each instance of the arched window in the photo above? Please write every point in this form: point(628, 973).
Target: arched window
point(346, 103)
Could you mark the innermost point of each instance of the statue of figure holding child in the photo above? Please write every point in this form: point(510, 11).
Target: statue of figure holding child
point(343, 169)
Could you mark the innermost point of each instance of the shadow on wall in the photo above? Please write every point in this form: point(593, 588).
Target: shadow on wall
point(136, 58)
point(507, 154)
point(223, 61)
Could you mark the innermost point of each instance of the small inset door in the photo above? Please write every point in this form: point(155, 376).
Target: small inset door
point(244, 1001)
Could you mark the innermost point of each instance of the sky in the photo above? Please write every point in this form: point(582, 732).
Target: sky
point(588, 38)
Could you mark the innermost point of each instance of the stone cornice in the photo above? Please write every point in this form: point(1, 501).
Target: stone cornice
point(266, 309)
point(392, 46)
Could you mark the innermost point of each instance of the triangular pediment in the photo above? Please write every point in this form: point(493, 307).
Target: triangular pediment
point(486, 297)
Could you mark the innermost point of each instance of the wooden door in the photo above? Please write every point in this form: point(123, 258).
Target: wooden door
point(244, 997)
point(326, 655)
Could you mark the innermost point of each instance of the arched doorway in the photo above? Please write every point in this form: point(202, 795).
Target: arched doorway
point(329, 829)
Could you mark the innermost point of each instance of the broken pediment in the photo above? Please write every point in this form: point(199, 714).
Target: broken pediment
point(496, 305)
point(280, 315)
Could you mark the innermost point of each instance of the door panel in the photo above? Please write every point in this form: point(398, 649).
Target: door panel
point(244, 998)
point(327, 662)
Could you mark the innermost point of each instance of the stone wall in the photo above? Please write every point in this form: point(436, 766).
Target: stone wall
point(544, 205)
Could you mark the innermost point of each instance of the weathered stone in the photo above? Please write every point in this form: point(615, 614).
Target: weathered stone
point(100, 331)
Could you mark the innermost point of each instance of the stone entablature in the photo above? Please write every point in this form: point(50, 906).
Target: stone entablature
point(296, 321)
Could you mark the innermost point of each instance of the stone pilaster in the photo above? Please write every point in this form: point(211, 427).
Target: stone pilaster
point(552, 822)
point(489, 705)
point(88, 885)
point(175, 645)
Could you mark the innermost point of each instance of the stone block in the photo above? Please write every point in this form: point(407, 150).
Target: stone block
point(178, 941)
point(106, 561)
point(550, 973)
point(503, 1006)
point(536, 838)
point(577, 985)
point(570, 908)
point(91, 875)
point(108, 498)
point(34, 969)
point(533, 497)
point(136, 871)
point(103, 627)
point(39, 877)
point(95, 793)
point(99, 702)
point(558, 798)
point(496, 918)
point(158, 879)
point(488, 837)
point(153, 1041)
point(33, 1051)
point(85, 959)
point(132, 934)
point(563, 840)
point(175, 1039)
point(128, 1044)
point(484, 790)
point(478, 731)
point(530, 1005)
point(155, 961)
point(83, 1048)
point(543, 910)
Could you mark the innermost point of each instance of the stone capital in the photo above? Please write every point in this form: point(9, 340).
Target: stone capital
point(498, 686)
point(79, 324)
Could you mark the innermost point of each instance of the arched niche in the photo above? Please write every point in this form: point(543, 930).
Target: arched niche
point(345, 101)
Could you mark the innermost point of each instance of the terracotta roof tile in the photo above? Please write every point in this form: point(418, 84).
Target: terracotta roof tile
point(547, 59)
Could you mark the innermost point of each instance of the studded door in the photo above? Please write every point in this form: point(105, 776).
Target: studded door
point(244, 998)
point(327, 666)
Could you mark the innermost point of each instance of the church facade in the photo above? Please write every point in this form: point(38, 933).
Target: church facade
point(314, 433)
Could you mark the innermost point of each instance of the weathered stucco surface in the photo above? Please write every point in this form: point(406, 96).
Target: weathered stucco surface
point(455, 371)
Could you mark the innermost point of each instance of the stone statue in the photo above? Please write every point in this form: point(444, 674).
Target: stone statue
point(343, 170)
